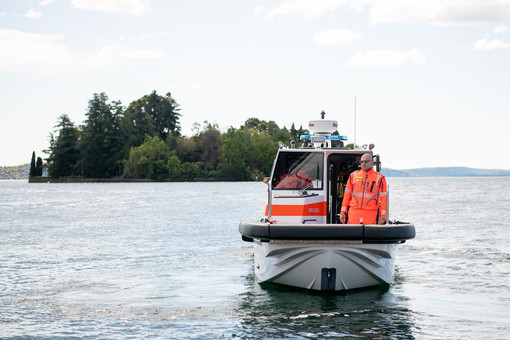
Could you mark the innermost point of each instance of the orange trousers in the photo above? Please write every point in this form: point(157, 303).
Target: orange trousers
point(359, 216)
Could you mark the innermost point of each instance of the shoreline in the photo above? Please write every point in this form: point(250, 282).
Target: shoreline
point(110, 180)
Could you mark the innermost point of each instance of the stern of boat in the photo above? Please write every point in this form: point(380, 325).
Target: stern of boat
point(324, 266)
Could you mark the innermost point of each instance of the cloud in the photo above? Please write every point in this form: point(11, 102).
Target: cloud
point(338, 36)
point(33, 14)
point(432, 12)
point(439, 12)
point(132, 7)
point(386, 58)
point(500, 29)
point(116, 52)
point(306, 8)
point(45, 2)
point(28, 52)
point(485, 44)
point(259, 10)
point(42, 53)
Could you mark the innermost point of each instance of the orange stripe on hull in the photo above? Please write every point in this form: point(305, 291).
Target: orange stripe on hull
point(314, 209)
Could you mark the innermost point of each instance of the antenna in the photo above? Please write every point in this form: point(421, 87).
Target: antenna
point(354, 122)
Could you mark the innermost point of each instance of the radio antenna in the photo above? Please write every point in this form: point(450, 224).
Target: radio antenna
point(354, 122)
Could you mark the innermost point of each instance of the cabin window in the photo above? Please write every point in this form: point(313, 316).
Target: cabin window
point(298, 170)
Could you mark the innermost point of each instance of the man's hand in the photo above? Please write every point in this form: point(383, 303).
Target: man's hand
point(342, 218)
point(382, 220)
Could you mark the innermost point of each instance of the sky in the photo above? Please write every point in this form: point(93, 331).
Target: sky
point(427, 82)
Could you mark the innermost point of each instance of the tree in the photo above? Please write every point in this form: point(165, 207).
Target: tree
point(294, 133)
point(150, 160)
point(101, 144)
point(39, 167)
point(257, 124)
point(174, 167)
point(152, 115)
point(186, 149)
point(209, 143)
point(190, 170)
point(32, 172)
point(262, 153)
point(232, 163)
point(63, 150)
point(137, 124)
point(167, 119)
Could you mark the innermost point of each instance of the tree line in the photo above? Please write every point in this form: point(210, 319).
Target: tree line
point(143, 140)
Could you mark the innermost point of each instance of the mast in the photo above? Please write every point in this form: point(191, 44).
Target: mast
point(354, 122)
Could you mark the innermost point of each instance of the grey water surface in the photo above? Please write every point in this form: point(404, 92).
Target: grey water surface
point(165, 260)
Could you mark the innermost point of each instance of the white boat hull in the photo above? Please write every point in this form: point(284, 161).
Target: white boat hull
point(324, 265)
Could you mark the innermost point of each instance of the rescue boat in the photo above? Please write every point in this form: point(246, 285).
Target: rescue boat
point(300, 241)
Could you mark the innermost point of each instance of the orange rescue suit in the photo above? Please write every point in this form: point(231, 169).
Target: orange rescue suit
point(297, 181)
point(364, 195)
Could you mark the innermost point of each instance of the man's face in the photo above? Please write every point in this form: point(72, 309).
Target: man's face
point(366, 162)
point(293, 165)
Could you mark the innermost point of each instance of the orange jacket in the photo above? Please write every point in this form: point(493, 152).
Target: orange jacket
point(365, 190)
point(300, 180)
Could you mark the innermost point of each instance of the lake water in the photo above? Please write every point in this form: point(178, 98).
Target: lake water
point(165, 260)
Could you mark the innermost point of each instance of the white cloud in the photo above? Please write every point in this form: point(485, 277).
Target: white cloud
point(386, 58)
point(433, 12)
point(138, 38)
point(439, 12)
point(259, 10)
point(33, 14)
point(500, 29)
point(45, 2)
point(32, 52)
point(42, 53)
point(338, 36)
point(306, 8)
point(485, 44)
point(117, 52)
point(132, 7)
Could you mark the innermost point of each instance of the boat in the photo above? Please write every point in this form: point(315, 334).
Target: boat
point(300, 241)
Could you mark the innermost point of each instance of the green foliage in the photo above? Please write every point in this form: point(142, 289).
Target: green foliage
point(186, 149)
point(101, 143)
point(150, 160)
point(39, 167)
point(208, 145)
point(152, 115)
point(190, 171)
point(63, 150)
point(137, 123)
point(262, 152)
point(174, 167)
point(144, 141)
point(295, 134)
point(32, 172)
point(233, 165)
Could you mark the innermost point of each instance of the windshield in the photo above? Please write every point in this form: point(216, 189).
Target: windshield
point(298, 170)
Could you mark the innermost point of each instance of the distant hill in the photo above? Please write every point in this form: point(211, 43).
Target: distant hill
point(21, 172)
point(15, 172)
point(444, 172)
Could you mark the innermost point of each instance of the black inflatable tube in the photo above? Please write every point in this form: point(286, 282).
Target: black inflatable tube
point(388, 233)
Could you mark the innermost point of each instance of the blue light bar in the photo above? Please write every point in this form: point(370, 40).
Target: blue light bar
point(330, 137)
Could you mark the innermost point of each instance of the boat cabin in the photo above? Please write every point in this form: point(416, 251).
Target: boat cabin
point(307, 183)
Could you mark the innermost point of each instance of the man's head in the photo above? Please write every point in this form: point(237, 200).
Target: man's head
point(293, 165)
point(366, 162)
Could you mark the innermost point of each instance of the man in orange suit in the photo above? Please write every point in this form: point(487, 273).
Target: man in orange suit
point(365, 195)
